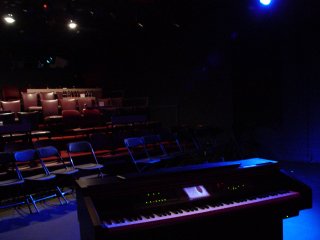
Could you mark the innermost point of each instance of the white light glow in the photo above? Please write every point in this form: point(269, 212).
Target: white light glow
point(72, 25)
point(9, 19)
point(265, 2)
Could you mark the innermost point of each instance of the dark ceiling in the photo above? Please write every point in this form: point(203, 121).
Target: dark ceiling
point(104, 26)
point(174, 30)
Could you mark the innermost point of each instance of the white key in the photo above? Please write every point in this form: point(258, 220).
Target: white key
point(200, 211)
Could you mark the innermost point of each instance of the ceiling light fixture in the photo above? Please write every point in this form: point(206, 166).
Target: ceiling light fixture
point(72, 25)
point(9, 19)
point(265, 2)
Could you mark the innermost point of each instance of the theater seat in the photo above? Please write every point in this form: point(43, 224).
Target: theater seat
point(30, 101)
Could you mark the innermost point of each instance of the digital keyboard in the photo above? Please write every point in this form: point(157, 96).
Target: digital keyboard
point(180, 214)
point(183, 202)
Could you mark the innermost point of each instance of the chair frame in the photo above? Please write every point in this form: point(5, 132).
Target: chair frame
point(15, 180)
point(141, 164)
point(84, 147)
point(60, 168)
point(30, 156)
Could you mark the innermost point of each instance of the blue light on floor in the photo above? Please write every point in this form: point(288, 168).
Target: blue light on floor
point(302, 227)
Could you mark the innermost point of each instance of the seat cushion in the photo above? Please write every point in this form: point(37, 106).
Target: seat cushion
point(41, 177)
point(10, 182)
point(89, 166)
point(65, 171)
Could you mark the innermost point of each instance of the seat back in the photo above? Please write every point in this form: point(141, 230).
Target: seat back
point(10, 92)
point(41, 183)
point(91, 118)
point(83, 151)
point(48, 151)
point(52, 157)
point(11, 182)
point(32, 118)
point(11, 106)
point(46, 96)
point(68, 104)
point(29, 100)
point(28, 159)
point(136, 148)
point(79, 146)
point(26, 155)
point(133, 142)
point(7, 117)
point(8, 168)
point(139, 155)
point(71, 118)
point(50, 107)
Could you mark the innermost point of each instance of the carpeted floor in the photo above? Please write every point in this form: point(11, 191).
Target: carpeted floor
point(306, 226)
point(54, 221)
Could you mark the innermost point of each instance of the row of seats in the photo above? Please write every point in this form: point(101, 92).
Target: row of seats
point(153, 151)
point(51, 103)
point(28, 169)
point(23, 125)
point(48, 108)
point(139, 153)
point(35, 174)
point(41, 102)
point(71, 122)
point(55, 118)
point(30, 103)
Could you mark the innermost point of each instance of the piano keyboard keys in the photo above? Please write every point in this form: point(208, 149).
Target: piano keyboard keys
point(194, 211)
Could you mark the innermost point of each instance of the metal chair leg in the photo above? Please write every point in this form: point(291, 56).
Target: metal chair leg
point(34, 203)
point(28, 203)
point(61, 194)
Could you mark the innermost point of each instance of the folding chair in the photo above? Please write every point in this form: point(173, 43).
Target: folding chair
point(11, 183)
point(83, 157)
point(139, 156)
point(64, 169)
point(40, 182)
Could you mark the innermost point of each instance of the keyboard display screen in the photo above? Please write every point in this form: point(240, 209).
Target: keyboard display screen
point(196, 192)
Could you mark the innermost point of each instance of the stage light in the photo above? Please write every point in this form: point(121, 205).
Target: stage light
point(265, 2)
point(9, 19)
point(140, 25)
point(72, 25)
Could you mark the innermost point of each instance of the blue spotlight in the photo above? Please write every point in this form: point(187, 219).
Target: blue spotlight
point(265, 2)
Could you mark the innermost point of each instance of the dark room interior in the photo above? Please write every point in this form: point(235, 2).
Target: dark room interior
point(244, 74)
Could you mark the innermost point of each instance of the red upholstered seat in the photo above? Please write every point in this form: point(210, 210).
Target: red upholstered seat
point(11, 106)
point(92, 118)
point(46, 96)
point(68, 103)
point(71, 118)
point(30, 101)
point(50, 107)
point(10, 92)
point(51, 115)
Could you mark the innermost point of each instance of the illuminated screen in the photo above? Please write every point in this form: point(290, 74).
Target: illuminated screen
point(196, 192)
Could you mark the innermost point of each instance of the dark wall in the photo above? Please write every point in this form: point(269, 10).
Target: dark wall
point(233, 65)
